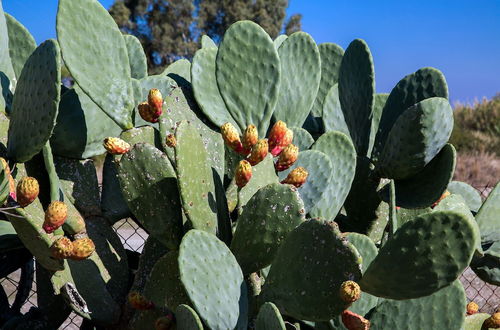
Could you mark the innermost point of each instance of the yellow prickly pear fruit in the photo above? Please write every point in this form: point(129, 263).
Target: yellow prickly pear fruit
point(250, 138)
point(62, 248)
point(155, 101)
point(296, 177)
point(55, 215)
point(139, 302)
point(171, 141)
point(287, 157)
point(165, 322)
point(116, 146)
point(243, 173)
point(350, 292)
point(353, 321)
point(82, 248)
point(27, 191)
point(259, 152)
point(148, 113)
point(492, 322)
point(231, 137)
point(472, 308)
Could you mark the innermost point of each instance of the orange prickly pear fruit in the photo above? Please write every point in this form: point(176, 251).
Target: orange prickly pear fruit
point(116, 146)
point(170, 141)
point(55, 215)
point(148, 113)
point(296, 177)
point(138, 301)
point(62, 248)
point(231, 137)
point(472, 308)
point(12, 183)
point(350, 292)
point(287, 158)
point(279, 137)
point(250, 138)
point(259, 152)
point(82, 248)
point(353, 321)
point(155, 101)
point(165, 322)
point(27, 191)
point(243, 173)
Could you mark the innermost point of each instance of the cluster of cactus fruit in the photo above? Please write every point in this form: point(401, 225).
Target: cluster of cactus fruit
point(345, 217)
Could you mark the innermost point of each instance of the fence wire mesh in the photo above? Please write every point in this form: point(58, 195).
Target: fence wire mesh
point(133, 237)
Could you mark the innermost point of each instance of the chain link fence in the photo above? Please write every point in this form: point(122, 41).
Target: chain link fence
point(487, 296)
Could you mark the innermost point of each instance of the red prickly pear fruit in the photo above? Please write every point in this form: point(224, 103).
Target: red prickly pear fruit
point(443, 196)
point(62, 248)
point(472, 308)
point(27, 191)
point(139, 302)
point(287, 158)
point(243, 173)
point(250, 138)
point(171, 141)
point(116, 146)
point(155, 101)
point(148, 113)
point(82, 248)
point(259, 152)
point(350, 291)
point(279, 137)
point(12, 183)
point(165, 322)
point(55, 215)
point(297, 177)
point(231, 137)
point(353, 321)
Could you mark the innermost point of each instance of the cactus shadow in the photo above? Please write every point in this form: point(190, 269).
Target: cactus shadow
point(5, 90)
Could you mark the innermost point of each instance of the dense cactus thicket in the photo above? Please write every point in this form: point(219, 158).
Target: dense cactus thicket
point(277, 187)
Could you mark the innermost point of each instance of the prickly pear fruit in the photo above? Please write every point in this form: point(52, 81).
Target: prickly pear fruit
point(279, 137)
point(243, 173)
point(116, 146)
point(82, 248)
point(287, 158)
point(27, 191)
point(250, 138)
point(62, 248)
point(231, 137)
point(155, 101)
point(492, 322)
point(443, 196)
point(353, 321)
point(472, 308)
point(138, 301)
point(296, 177)
point(170, 141)
point(165, 322)
point(259, 152)
point(148, 113)
point(350, 291)
point(55, 215)
point(12, 183)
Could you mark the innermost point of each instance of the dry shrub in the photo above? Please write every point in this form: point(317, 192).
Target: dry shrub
point(478, 169)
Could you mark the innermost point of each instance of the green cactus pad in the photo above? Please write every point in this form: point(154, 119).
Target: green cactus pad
point(212, 278)
point(368, 252)
point(331, 57)
point(248, 74)
point(269, 318)
point(425, 187)
point(186, 318)
point(357, 93)
point(4, 187)
point(207, 42)
point(342, 155)
point(266, 220)
point(405, 215)
point(433, 248)
point(279, 40)
point(34, 108)
point(4, 131)
point(475, 321)
point(102, 70)
point(302, 138)
point(205, 88)
point(136, 57)
point(179, 69)
point(418, 86)
point(333, 117)
point(81, 126)
point(455, 203)
point(487, 217)
point(487, 267)
point(308, 270)
point(469, 193)
point(144, 134)
point(444, 309)
point(9, 240)
point(300, 66)
point(196, 184)
point(113, 204)
point(320, 170)
point(378, 108)
point(5, 62)
point(21, 44)
point(416, 138)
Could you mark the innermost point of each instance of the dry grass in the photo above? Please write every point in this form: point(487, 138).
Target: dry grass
point(478, 169)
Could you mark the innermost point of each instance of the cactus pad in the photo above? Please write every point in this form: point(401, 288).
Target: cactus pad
point(187, 319)
point(469, 193)
point(301, 138)
point(136, 57)
point(21, 44)
point(207, 42)
point(333, 117)
point(487, 217)
point(279, 40)
point(269, 318)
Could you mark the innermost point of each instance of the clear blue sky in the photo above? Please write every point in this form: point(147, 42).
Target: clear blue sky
point(459, 37)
